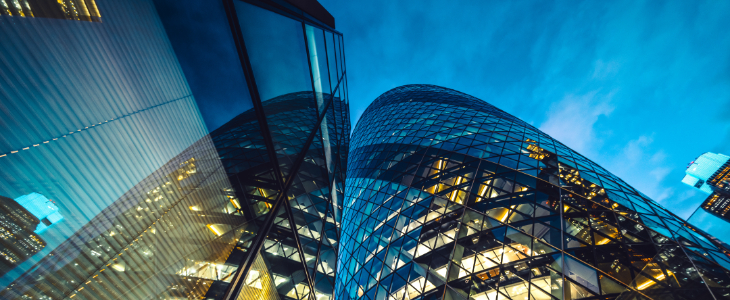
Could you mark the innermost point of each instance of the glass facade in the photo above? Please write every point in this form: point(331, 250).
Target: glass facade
point(449, 197)
point(701, 172)
point(148, 157)
point(710, 173)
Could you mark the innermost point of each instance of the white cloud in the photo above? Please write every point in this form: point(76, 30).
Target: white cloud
point(634, 150)
point(660, 173)
point(571, 121)
point(644, 168)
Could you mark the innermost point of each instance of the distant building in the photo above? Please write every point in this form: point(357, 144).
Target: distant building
point(710, 173)
point(717, 204)
point(17, 237)
point(42, 208)
point(707, 172)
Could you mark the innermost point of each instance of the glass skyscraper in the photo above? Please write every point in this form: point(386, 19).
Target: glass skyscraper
point(710, 174)
point(449, 197)
point(146, 156)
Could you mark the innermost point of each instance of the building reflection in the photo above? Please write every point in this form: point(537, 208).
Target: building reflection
point(174, 226)
point(184, 230)
point(81, 10)
point(301, 240)
point(17, 234)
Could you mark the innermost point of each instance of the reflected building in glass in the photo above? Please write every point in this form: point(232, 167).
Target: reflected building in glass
point(80, 10)
point(449, 197)
point(17, 234)
point(134, 166)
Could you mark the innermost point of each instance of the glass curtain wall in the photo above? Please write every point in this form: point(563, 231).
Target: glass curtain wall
point(296, 71)
point(449, 197)
point(111, 187)
point(133, 167)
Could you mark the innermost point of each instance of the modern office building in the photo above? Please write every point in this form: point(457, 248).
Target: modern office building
point(449, 197)
point(42, 208)
point(183, 161)
point(718, 204)
point(200, 150)
point(710, 174)
point(283, 141)
point(17, 235)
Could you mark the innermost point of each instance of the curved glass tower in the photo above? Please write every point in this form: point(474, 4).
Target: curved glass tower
point(449, 197)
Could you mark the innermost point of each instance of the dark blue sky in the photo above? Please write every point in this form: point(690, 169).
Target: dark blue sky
point(642, 88)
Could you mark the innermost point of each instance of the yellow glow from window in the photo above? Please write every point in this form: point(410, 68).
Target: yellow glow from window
point(235, 203)
point(118, 267)
point(484, 190)
point(650, 282)
point(455, 192)
point(504, 217)
point(215, 230)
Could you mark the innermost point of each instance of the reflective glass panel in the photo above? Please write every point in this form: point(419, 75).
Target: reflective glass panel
point(318, 62)
point(276, 50)
point(331, 58)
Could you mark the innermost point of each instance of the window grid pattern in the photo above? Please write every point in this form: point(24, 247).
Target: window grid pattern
point(305, 126)
point(299, 250)
point(449, 197)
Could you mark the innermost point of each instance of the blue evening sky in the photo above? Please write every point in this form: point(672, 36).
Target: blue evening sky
point(641, 88)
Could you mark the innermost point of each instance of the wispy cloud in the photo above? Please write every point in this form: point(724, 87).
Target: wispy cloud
point(572, 120)
point(626, 84)
point(645, 167)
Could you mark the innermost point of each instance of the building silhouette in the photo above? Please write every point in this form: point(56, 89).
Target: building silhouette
point(449, 197)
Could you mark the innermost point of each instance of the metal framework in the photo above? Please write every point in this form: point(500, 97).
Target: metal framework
point(449, 197)
point(285, 182)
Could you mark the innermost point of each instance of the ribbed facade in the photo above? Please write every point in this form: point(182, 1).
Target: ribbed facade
point(449, 197)
point(170, 150)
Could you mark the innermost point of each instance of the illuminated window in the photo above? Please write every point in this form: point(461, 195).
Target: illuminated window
point(80, 10)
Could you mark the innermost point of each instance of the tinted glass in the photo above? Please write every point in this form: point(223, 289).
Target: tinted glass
point(276, 49)
point(318, 61)
point(331, 58)
point(208, 58)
